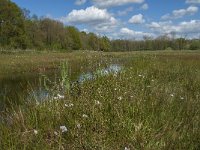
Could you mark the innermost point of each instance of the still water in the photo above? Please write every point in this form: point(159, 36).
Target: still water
point(30, 86)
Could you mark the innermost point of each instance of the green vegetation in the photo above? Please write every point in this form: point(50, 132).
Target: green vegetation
point(19, 30)
point(152, 104)
point(24, 62)
point(12, 25)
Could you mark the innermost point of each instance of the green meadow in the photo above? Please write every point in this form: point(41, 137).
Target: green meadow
point(152, 103)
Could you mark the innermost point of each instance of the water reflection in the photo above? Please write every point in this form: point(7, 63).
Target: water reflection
point(39, 95)
point(42, 94)
point(12, 90)
point(86, 76)
point(111, 69)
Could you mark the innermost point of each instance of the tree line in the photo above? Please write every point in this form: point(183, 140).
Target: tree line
point(19, 30)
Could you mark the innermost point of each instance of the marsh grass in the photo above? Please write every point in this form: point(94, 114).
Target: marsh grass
point(152, 104)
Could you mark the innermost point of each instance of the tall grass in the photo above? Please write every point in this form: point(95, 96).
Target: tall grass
point(153, 104)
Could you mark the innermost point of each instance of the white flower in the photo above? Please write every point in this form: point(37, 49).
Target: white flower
point(126, 148)
point(182, 98)
point(69, 105)
point(63, 129)
point(60, 96)
point(97, 102)
point(55, 98)
point(120, 98)
point(140, 75)
point(85, 116)
point(152, 80)
point(172, 95)
point(115, 89)
point(56, 133)
point(78, 126)
point(35, 132)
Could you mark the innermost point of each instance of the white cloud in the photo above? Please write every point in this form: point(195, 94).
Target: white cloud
point(126, 33)
point(181, 13)
point(137, 19)
point(97, 19)
point(80, 2)
point(145, 6)
point(87, 16)
point(193, 1)
point(161, 27)
point(111, 3)
point(124, 12)
point(108, 26)
point(190, 27)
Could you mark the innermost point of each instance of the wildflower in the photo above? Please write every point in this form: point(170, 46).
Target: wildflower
point(120, 98)
point(115, 89)
point(97, 102)
point(55, 98)
point(56, 133)
point(35, 132)
point(126, 148)
point(78, 126)
point(69, 105)
point(140, 75)
point(182, 98)
point(85, 116)
point(152, 80)
point(60, 96)
point(63, 129)
point(172, 95)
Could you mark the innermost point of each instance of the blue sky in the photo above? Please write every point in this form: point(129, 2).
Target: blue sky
point(128, 19)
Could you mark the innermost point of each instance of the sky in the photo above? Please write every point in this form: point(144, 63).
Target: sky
point(123, 19)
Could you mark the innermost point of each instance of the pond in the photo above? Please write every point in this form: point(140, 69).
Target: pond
point(31, 86)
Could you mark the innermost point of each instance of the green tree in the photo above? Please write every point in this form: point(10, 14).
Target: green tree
point(105, 44)
point(194, 44)
point(74, 38)
point(12, 30)
point(93, 41)
point(35, 34)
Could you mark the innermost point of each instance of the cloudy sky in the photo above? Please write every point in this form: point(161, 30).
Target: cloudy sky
point(127, 19)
